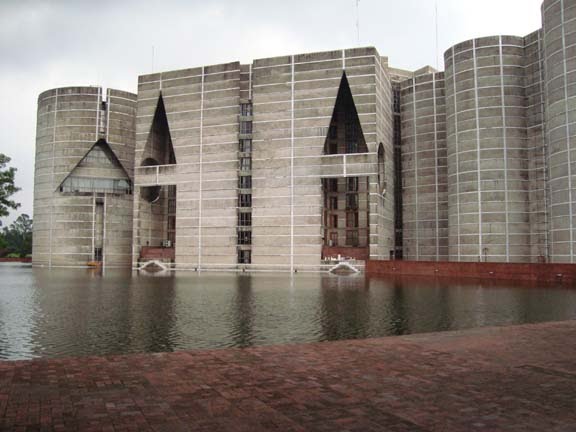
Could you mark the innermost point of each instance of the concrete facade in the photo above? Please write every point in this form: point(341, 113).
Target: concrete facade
point(252, 161)
point(287, 161)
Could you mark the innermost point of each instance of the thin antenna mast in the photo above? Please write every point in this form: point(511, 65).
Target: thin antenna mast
point(436, 18)
point(152, 58)
point(358, 22)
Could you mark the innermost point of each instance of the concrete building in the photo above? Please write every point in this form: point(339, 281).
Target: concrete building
point(284, 162)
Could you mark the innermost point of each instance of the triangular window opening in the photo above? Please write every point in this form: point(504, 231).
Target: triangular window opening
point(159, 145)
point(345, 132)
point(99, 171)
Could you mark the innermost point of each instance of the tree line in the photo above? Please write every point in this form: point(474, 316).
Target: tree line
point(16, 239)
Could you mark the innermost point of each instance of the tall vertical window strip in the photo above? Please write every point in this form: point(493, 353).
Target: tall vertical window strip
point(245, 185)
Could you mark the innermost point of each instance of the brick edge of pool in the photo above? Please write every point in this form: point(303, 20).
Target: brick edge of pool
point(547, 273)
point(517, 378)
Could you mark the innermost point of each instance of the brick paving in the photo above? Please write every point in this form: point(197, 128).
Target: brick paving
point(518, 378)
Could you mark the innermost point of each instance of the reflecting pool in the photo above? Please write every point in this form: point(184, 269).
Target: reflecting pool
point(70, 312)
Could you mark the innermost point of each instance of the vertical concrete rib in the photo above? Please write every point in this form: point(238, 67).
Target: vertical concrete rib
point(52, 186)
point(454, 174)
point(292, 164)
point(504, 144)
point(437, 178)
point(108, 117)
point(478, 154)
point(416, 210)
point(250, 81)
point(200, 169)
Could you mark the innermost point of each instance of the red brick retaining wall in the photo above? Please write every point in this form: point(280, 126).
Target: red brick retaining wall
point(565, 273)
point(151, 253)
point(23, 260)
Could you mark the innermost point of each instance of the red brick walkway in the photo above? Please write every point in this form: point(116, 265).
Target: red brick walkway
point(520, 378)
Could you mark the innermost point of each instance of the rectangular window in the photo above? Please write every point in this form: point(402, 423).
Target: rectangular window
point(246, 109)
point(245, 182)
point(171, 223)
point(244, 257)
point(245, 164)
point(352, 238)
point(351, 220)
point(101, 185)
point(334, 221)
point(333, 239)
point(244, 237)
point(245, 200)
point(351, 201)
point(246, 145)
point(246, 127)
point(98, 254)
point(244, 219)
point(332, 185)
point(352, 184)
point(333, 203)
point(396, 105)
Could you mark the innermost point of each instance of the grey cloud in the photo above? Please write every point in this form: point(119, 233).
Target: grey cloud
point(44, 44)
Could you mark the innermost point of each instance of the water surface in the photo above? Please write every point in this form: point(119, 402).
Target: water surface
point(71, 312)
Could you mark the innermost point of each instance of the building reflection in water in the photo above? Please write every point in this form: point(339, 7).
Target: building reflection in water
point(18, 314)
point(153, 315)
point(66, 312)
point(344, 307)
point(95, 314)
point(242, 313)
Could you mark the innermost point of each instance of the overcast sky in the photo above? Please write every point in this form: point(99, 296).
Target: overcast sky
point(54, 43)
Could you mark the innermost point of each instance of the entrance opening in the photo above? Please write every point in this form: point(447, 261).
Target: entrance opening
point(345, 218)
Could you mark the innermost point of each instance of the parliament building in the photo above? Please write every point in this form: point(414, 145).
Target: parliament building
point(291, 161)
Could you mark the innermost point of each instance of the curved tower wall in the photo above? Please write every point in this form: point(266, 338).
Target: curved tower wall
point(424, 170)
point(537, 166)
point(70, 224)
point(559, 40)
point(487, 151)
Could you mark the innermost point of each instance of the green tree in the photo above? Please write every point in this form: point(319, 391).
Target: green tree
point(7, 187)
point(3, 244)
point(18, 236)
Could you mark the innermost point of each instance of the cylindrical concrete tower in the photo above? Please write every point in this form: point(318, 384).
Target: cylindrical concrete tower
point(559, 33)
point(83, 177)
point(487, 154)
point(424, 171)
